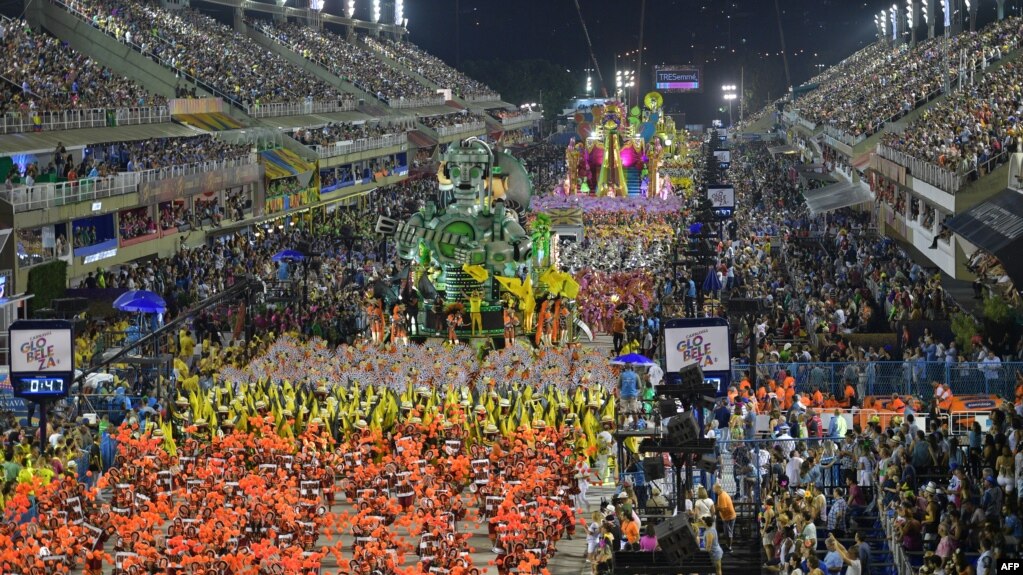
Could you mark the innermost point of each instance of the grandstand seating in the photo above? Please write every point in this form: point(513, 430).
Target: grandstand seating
point(352, 63)
point(879, 85)
point(194, 45)
point(432, 68)
point(45, 82)
point(970, 127)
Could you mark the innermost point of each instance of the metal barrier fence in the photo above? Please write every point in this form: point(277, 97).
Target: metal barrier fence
point(483, 98)
point(43, 196)
point(19, 122)
point(342, 148)
point(460, 128)
point(530, 117)
point(403, 103)
point(941, 178)
point(888, 377)
point(740, 472)
point(278, 109)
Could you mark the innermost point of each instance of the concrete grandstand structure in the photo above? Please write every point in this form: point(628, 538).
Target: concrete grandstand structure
point(104, 181)
point(924, 133)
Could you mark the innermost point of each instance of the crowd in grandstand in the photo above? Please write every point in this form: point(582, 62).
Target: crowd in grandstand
point(190, 42)
point(970, 127)
point(157, 153)
point(136, 223)
point(344, 132)
point(347, 61)
point(450, 120)
point(430, 67)
point(174, 214)
point(880, 85)
point(53, 77)
point(502, 114)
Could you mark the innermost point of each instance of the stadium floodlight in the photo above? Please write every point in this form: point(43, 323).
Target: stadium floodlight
point(316, 5)
point(399, 12)
point(909, 13)
point(884, 23)
point(923, 12)
point(376, 11)
point(895, 22)
point(349, 9)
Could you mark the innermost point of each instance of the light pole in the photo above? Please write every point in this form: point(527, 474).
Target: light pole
point(730, 95)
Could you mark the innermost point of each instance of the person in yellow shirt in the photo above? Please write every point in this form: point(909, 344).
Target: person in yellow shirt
point(187, 344)
point(475, 316)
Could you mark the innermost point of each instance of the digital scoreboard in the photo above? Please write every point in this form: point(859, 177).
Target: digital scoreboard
point(678, 79)
point(39, 386)
point(42, 359)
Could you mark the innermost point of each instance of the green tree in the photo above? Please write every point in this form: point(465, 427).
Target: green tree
point(524, 81)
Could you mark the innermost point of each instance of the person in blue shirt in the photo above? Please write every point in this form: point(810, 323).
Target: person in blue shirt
point(833, 560)
point(690, 299)
point(628, 386)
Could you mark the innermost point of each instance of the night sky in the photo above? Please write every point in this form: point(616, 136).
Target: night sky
point(722, 36)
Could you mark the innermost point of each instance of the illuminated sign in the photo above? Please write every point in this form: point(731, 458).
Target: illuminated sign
point(678, 79)
point(99, 256)
point(706, 346)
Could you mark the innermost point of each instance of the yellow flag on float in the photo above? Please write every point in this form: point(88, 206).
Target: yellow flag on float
point(476, 272)
point(560, 283)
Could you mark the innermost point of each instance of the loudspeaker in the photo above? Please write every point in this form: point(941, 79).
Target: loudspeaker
point(708, 463)
point(653, 468)
point(667, 408)
point(683, 428)
point(746, 305)
point(692, 376)
point(70, 305)
point(676, 538)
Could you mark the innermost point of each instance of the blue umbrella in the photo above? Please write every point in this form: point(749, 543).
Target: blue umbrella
point(124, 298)
point(711, 283)
point(144, 301)
point(632, 359)
point(288, 255)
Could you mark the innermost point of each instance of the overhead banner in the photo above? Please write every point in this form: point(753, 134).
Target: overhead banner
point(192, 184)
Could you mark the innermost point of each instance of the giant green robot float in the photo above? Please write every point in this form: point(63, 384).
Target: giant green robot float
point(471, 227)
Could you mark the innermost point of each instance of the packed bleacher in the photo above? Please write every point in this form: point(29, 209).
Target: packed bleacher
point(881, 86)
point(53, 77)
point(187, 41)
point(344, 132)
point(347, 61)
point(136, 223)
point(157, 153)
point(503, 114)
point(432, 68)
point(971, 127)
point(843, 490)
point(451, 120)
